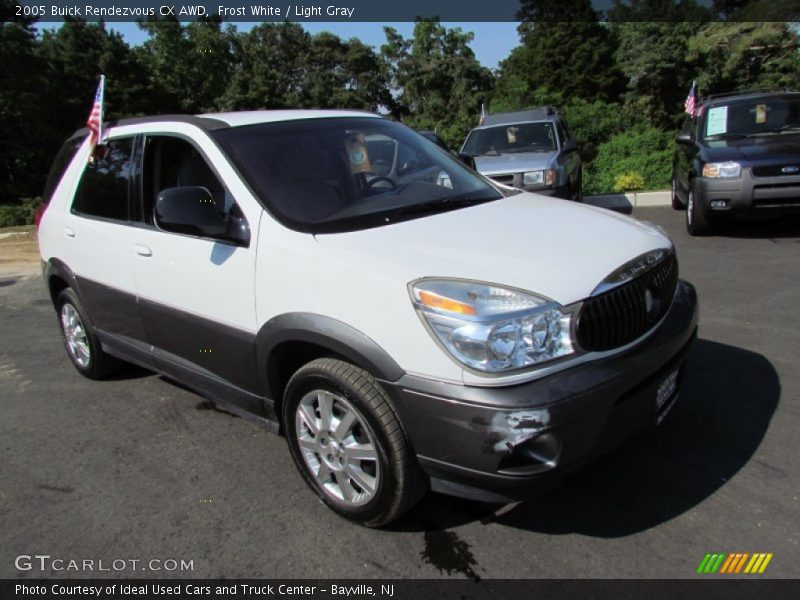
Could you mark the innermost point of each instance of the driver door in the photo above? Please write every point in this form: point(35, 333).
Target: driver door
point(196, 294)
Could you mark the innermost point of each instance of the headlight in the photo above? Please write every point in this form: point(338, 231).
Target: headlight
point(492, 328)
point(723, 169)
point(543, 178)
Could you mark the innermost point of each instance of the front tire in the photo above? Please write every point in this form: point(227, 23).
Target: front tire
point(80, 340)
point(348, 444)
point(697, 224)
point(677, 204)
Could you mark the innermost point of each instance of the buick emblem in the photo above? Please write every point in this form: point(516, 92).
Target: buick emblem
point(790, 169)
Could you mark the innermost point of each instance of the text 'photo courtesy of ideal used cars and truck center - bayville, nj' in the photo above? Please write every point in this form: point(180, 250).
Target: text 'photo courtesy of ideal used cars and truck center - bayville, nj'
point(453, 269)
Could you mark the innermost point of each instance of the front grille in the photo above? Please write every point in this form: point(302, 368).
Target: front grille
point(774, 171)
point(621, 315)
point(504, 179)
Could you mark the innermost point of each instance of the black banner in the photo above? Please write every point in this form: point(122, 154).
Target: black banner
point(399, 589)
point(407, 10)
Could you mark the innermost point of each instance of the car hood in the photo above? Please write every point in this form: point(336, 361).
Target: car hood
point(517, 162)
point(758, 149)
point(551, 247)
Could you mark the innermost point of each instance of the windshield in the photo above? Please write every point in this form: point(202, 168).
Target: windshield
point(343, 174)
point(770, 115)
point(505, 139)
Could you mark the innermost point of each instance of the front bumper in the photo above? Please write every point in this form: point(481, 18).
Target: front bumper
point(501, 443)
point(748, 195)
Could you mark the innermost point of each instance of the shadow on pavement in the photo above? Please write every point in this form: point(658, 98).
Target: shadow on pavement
point(727, 400)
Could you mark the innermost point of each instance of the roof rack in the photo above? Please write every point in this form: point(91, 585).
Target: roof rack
point(520, 116)
point(746, 93)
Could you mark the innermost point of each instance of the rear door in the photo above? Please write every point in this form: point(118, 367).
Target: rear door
point(196, 294)
point(96, 240)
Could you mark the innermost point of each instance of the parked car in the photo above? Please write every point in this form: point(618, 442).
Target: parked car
point(532, 150)
point(402, 333)
point(740, 158)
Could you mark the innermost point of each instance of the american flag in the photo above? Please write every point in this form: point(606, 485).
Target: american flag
point(483, 114)
point(95, 120)
point(690, 106)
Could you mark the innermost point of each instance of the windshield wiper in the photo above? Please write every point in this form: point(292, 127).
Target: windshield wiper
point(729, 136)
point(442, 204)
point(785, 129)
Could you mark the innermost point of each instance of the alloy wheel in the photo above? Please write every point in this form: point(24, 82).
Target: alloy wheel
point(338, 448)
point(75, 335)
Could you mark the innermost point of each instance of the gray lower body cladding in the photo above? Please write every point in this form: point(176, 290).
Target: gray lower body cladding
point(502, 443)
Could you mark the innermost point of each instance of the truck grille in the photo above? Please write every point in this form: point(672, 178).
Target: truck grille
point(621, 315)
point(776, 171)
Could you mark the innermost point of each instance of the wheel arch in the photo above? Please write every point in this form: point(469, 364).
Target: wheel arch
point(288, 341)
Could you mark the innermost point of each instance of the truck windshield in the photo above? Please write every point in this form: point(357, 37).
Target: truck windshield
point(343, 174)
point(505, 139)
point(769, 115)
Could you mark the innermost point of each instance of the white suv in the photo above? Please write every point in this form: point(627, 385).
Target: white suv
point(404, 321)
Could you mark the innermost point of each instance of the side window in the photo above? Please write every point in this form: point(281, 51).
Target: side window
point(409, 160)
point(60, 164)
point(174, 162)
point(562, 135)
point(103, 191)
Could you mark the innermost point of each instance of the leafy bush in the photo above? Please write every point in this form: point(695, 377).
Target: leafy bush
point(628, 182)
point(646, 151)
point(19, 214)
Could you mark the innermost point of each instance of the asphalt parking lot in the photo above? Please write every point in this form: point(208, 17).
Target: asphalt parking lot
point(140, 468)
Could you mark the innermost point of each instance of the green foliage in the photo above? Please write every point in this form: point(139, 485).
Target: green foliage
point(442, 83)
point(620, 84)
point(19, 214)
point(628, 182)
point(645, 151)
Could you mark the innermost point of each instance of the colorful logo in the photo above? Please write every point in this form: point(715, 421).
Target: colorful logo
point(739, 562)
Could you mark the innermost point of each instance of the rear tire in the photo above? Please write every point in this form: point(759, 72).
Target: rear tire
point(80, 340)
point(348, 443)
point(697, 224)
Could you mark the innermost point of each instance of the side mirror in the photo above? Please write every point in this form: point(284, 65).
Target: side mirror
point(570, 146)
point(192, 210)
point(467, 160)
point(684, 138)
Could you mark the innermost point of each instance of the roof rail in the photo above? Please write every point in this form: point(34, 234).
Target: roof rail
point(519, 116)
point(751, 92)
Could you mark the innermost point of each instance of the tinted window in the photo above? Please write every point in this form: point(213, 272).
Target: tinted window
point(60, 164)
point(508, 139)
point(340, 174)
point(766, 115)
point(103, 191)
point(174, 162)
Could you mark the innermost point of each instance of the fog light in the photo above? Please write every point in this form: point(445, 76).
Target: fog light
point(719, 204)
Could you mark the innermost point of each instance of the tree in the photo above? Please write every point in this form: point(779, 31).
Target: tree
point(564, 50)
point(189, 66)
point(440, 84)
point(269, 68)
point(22, 82)
point(735, 56)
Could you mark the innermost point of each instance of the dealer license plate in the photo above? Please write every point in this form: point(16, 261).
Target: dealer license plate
point(666, 395)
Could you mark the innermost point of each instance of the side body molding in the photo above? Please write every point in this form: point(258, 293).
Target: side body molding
point(327, 333)
point(56, 267)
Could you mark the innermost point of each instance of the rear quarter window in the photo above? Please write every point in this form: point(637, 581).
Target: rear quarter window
point(63, 159)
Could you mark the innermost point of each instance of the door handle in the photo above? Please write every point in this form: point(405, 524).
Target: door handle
point(69, 232)
point(142, 250)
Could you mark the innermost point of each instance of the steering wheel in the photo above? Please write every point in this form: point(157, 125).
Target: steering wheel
point(381, 178)
point(381, 167)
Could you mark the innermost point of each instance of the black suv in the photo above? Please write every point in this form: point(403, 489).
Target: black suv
point(740, 156)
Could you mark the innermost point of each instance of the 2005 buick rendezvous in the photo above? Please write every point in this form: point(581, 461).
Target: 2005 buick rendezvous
point(404, 321)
